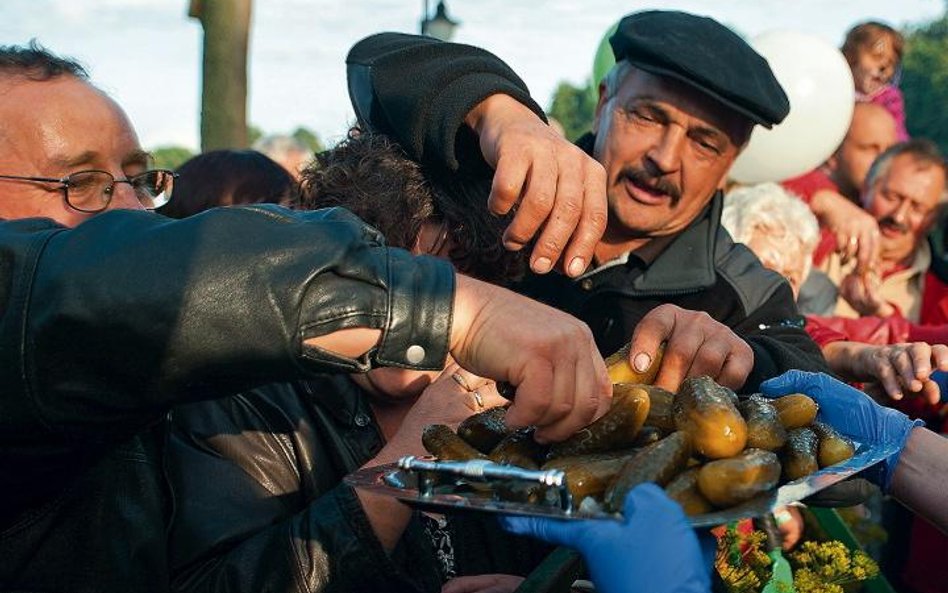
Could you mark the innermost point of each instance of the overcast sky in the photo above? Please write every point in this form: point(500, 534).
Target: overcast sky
point(147, 53)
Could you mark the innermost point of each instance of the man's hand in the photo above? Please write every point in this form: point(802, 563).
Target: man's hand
point(557, 190)
point(695, 345)
point(550, 357)
point(861, 291)
point(856, 231)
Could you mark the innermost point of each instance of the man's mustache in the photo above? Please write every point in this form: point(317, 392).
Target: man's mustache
point(892, 223)
point(642, 178)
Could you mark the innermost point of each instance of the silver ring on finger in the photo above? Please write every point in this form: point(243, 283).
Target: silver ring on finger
point(478, 399)
point(461, 381)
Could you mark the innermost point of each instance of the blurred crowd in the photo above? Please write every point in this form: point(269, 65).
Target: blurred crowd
point(184, 392)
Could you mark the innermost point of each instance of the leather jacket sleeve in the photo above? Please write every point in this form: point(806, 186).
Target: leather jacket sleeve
point(419, 90)
point(106, 326)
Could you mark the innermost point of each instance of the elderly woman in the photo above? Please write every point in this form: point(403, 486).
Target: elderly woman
point(783, 233)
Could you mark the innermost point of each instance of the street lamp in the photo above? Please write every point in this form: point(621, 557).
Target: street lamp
point(440, 26)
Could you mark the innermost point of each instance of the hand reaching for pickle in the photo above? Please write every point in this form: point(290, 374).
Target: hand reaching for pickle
point(549, 356)
point(695, 345)
point(446, 401)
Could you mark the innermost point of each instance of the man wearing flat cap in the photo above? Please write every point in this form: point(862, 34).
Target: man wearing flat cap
point(673, 114)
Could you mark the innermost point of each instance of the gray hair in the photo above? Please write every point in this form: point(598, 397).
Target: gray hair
point(923, 152)
point(614, 77)
point(769, 207)
point(279, 147)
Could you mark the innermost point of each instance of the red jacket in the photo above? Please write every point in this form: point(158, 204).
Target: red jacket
point(804, 187)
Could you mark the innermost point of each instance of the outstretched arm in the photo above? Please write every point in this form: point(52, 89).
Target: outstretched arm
point(921, 477)
point(456, 105)
point(917, 473)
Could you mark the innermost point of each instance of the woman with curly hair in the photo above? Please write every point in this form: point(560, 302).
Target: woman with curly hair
point(269, 463)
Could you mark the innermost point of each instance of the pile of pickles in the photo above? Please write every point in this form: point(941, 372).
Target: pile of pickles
point(708, 448)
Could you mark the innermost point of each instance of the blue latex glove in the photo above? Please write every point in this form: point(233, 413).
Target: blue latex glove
point(852, 413)
point(654, 549)
point(941, 378)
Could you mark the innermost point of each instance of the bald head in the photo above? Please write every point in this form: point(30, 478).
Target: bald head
point(871, 131)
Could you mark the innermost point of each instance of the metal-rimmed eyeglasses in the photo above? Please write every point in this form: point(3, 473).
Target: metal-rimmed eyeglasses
point(91, 191)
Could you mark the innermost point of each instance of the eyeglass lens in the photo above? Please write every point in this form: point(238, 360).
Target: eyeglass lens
point(91, 191)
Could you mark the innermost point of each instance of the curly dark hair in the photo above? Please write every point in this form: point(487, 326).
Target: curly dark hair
point(37, 63)
point(370, 175)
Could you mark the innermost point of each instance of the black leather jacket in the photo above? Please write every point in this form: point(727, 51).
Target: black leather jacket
point(106, 326)
point(260, 504)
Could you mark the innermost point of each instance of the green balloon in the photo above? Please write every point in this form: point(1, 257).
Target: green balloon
point(604, 60)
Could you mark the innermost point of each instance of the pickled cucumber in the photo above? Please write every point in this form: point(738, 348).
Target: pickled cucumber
point(446, 445)
point(799, 455)
point(833, 448)
point(620, 371)
point(727, 482)
point(518, 448)
point(657, 463)
point(796, 410)
point(684, 490)
point(616, 429)
point(706, 412)
point(484, 430)
point(590, 475)
point(764, 430)
point(660, 411)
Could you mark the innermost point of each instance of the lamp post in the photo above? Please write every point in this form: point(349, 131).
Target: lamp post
point(440, 26)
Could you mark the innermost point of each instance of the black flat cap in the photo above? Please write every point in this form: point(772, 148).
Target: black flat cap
point(705, 55)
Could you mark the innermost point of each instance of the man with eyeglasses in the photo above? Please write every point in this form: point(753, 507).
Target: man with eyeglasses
point(106, 326)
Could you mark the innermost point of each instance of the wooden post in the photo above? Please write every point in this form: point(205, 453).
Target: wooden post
point(226, 26)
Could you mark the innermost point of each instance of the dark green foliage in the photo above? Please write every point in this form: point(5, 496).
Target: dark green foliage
point(574, 107)
point(925, 81)
point(171, 157)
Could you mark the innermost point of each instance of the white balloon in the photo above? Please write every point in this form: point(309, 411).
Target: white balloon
point(819, 84)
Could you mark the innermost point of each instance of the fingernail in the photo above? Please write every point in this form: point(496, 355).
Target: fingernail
point(641, 362)
point(897, 395)
point(513, 246)
point(542, 265)
point(576, 266)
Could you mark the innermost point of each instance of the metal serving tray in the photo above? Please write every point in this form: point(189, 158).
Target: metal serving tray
point(446, 486)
